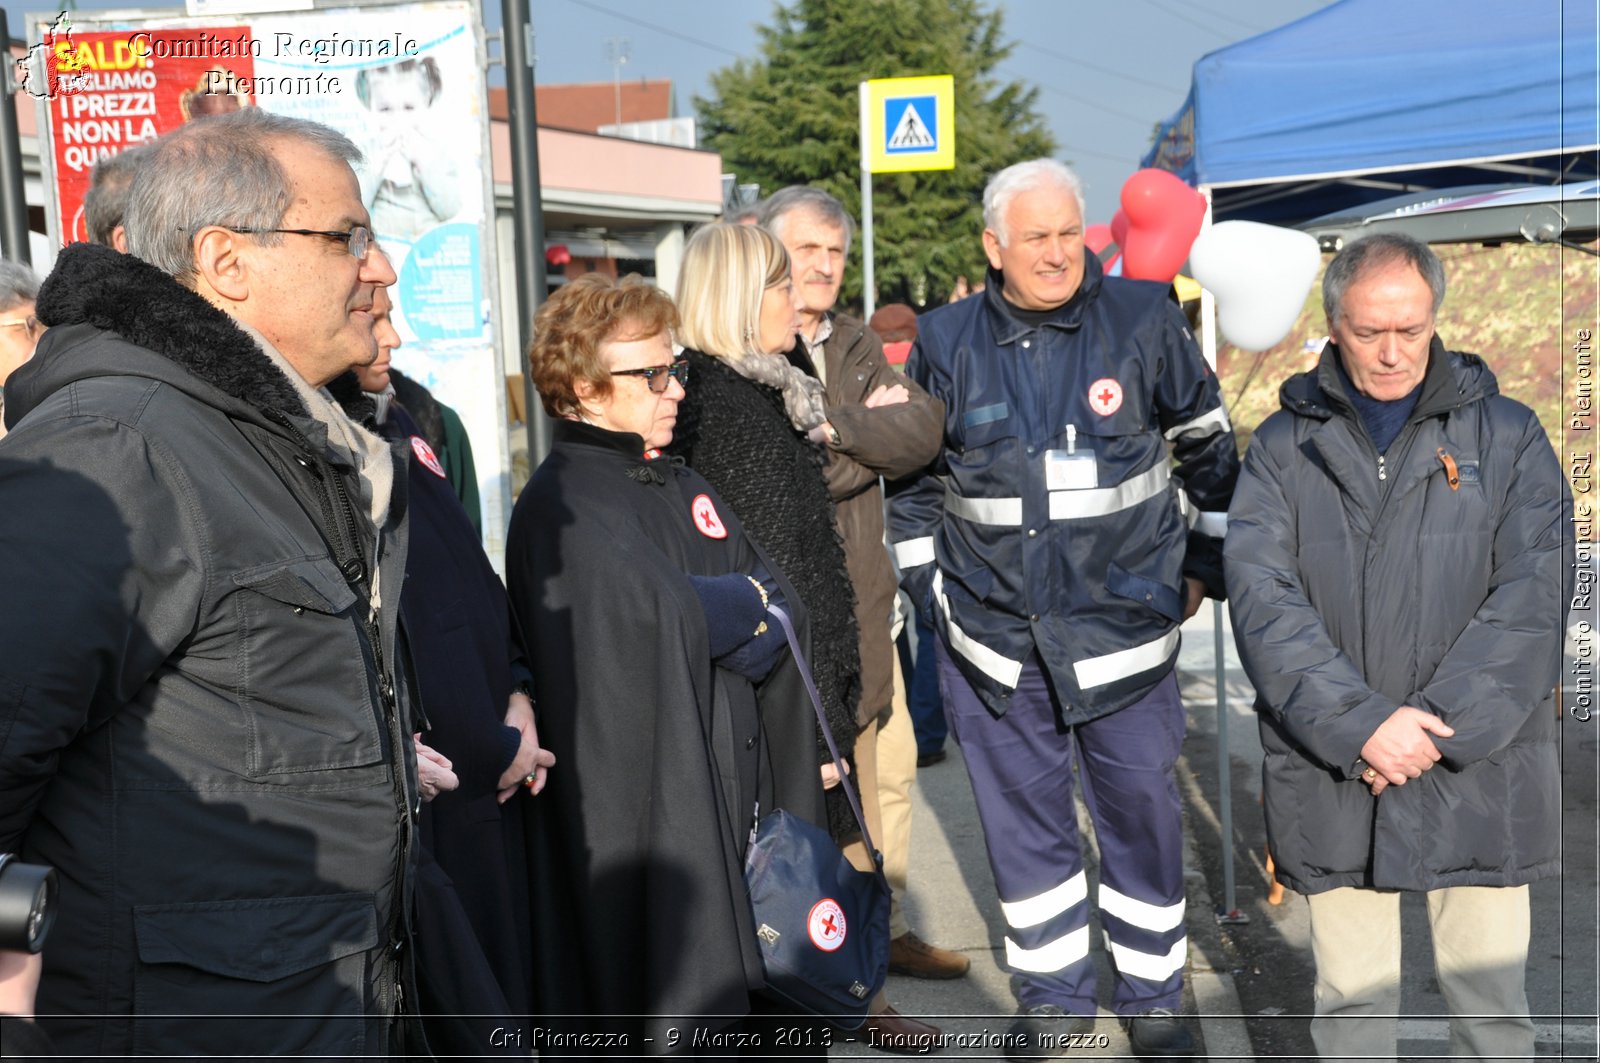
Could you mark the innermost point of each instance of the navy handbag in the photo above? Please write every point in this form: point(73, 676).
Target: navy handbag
point(821, 925)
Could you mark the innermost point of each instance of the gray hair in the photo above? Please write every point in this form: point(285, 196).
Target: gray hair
point(18, 284)
point(814, 201)
point(1375, 252)
point(107, 199)
point(218, 171)
point(1004, 186)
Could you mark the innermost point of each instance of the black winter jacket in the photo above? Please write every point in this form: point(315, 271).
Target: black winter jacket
point(201, 730)
point(1353, 594)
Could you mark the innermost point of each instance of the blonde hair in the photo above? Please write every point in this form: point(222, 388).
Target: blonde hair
point(726, 269)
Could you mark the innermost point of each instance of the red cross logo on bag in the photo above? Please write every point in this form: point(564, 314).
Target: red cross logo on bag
point(424, 453)
point(825, 924)
point(706, 520)
point(1105, 396)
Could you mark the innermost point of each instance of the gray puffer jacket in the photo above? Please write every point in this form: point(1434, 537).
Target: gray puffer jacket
point(1438, 585)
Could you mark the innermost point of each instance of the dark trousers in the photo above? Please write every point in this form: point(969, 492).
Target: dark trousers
point(1021, 766)
point(923, 702)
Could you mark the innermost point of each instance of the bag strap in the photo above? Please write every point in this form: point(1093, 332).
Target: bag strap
point(827, 733)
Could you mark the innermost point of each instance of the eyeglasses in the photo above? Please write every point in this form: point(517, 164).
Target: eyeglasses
point(358, 241)
point(660, 377)
point(29, 326)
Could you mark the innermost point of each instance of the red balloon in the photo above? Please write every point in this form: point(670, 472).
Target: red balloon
point(1098, 237)
point(1164, 217)
point(1119, 228)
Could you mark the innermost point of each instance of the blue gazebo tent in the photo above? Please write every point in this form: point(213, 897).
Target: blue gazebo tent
point(1368, 99)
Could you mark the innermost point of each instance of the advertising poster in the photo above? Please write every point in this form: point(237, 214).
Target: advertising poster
point(110, 92)
point(403, 81)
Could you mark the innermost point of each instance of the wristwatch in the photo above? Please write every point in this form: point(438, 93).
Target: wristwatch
point(833, 435)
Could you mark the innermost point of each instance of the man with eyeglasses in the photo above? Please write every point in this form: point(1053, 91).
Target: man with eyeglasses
point(207, 734)
point(19, 329)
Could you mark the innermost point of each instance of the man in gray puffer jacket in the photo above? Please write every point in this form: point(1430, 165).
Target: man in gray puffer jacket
point(1394, 564)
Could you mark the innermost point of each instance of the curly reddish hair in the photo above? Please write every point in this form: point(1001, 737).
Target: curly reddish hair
point(578, 320)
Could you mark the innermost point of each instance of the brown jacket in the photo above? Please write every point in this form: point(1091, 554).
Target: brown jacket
point(889, 441)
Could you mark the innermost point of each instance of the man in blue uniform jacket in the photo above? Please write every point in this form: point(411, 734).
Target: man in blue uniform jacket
point(1058, 549)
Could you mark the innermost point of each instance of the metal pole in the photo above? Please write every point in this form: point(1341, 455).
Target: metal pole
point(13, 196)
point(1230, 909)
point(527, 210)
point(869, 291)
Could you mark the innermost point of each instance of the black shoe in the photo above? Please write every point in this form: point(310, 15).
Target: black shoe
point(1044, 1032)
point(1159, 1033)
point(926, 760)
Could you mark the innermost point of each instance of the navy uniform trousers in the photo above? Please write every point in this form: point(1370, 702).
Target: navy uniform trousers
point(1021, 766)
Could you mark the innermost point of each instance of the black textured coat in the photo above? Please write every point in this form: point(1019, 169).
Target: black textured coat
point(735, 433)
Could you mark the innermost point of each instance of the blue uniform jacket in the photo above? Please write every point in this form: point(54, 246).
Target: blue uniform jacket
point(1054, 518)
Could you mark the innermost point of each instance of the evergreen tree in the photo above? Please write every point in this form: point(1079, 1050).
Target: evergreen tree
point(792, 117)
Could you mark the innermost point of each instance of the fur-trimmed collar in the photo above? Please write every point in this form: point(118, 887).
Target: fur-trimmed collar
point(119, 293)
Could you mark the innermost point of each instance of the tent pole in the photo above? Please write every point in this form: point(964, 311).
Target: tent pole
point(1230, 909)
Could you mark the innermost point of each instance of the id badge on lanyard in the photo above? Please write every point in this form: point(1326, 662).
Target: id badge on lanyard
point(1073, 469)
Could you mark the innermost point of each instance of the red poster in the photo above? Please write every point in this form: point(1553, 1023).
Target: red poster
point(115, 90)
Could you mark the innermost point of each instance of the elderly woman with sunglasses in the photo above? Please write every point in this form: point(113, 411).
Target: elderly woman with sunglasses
point(660, 687)
point(744, 427)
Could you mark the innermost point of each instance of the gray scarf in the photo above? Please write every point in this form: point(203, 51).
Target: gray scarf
point(803, 396)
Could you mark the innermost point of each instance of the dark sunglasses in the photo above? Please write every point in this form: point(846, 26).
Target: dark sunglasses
point(660, 377)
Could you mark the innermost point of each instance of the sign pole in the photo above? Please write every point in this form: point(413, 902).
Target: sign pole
point(907, 125)
point(869, 288)
point(13, 195)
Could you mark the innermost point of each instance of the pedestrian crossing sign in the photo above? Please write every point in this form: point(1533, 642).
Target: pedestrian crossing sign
point(908, 124)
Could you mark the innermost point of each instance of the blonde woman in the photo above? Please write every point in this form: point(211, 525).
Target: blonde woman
point(746, 427)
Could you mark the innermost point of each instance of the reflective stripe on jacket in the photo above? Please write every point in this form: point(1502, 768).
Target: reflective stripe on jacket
point(1055, 520)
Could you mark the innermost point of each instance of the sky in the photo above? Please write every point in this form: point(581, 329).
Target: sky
point(1106, 72)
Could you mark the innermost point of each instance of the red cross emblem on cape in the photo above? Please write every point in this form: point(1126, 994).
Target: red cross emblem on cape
point(706, 520)
point(424, 453)
point(825, 924)
point(1105, 396)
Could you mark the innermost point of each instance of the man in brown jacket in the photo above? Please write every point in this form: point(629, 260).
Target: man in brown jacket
point(879, 425)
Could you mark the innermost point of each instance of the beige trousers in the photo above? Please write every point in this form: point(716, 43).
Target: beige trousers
point(897, 769)
point(1480, 946)
point(886, 765)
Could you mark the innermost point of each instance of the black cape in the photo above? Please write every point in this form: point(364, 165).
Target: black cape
point(474, 966)
point(638, 842)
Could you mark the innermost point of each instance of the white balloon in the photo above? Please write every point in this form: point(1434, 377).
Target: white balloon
point(1259, 275)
